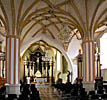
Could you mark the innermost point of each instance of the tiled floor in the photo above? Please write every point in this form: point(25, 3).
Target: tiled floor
point(48, 93)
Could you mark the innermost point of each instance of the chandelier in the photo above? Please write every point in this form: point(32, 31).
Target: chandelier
point(65, 34)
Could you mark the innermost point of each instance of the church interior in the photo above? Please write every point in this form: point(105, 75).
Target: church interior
point(53, 50)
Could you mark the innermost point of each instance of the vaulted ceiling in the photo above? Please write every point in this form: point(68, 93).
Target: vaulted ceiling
point(29, 18)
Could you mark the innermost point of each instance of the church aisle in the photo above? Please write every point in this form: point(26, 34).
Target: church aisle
point(48, 93)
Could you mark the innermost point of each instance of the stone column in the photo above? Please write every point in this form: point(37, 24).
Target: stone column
point(88, 64)
point(13, 65)
point(88, 61)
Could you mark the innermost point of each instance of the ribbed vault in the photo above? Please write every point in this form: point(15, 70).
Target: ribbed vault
point(28, 18)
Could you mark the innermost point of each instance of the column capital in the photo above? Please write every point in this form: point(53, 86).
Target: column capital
point(87, 41)
point(13, 36)
point(87, 37)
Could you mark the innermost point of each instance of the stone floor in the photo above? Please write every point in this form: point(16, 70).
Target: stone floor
point(48, 93)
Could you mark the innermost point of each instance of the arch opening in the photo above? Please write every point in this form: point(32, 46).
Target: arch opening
point(61, 60)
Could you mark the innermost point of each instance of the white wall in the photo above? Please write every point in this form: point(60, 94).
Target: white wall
point(103, 51)
point(104, 74)
point(73, 51)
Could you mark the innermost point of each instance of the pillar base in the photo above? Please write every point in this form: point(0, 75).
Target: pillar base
point(13, 89)
point(89, 86)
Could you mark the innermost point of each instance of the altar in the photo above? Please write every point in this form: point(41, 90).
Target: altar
point(39, 78)
point(38, 70)
point(40, 81)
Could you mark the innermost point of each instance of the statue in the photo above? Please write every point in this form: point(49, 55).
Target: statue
point(68, 76)
point(79, 64)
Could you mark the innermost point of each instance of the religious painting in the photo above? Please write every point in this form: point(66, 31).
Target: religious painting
point(65, 65)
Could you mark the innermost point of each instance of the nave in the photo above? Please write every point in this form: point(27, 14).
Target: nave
point(58, 91)
point(30, 92)
point(52, 41)
point(49, 93)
